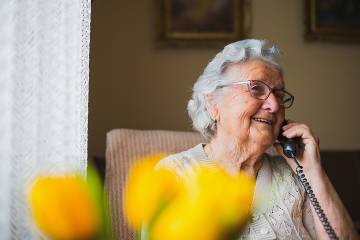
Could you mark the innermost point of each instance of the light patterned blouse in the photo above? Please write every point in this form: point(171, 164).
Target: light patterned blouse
point(286, 213)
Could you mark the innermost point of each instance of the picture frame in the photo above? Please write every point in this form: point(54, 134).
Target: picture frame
point(201, 23)
point(335, 20)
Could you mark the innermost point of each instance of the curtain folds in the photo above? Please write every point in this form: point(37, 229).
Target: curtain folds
point(44, 78)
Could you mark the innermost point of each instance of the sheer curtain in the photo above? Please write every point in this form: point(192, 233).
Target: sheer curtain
point(44, 68)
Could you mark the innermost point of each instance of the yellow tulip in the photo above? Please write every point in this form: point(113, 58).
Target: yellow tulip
point(184, 219)
point(63, 208)
point(207, 204)
point(210, 198)
point(147, 190)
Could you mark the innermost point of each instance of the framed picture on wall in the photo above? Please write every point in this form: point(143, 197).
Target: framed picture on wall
point(334, 20)
point(201, 23)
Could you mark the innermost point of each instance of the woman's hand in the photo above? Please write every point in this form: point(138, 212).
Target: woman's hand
point(309, 153)
point(309, 158)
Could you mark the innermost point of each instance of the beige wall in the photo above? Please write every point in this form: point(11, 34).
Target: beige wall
point(134, 85)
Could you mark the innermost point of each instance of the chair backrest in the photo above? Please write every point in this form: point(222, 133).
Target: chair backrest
point(123, 147)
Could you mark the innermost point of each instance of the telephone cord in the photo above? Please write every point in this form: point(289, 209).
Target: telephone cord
point(319, 211)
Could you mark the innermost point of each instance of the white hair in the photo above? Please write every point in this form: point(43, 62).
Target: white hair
point(212, 78)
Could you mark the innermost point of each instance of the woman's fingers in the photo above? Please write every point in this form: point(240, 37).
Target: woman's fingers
point(288, 125)
point(293, 130)
point(308, 153)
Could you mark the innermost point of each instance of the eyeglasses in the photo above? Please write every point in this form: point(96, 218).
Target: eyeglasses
point(260, 90)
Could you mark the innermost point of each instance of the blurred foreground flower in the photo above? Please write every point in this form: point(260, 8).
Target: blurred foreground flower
point(178, 208)
point(70, 207)
point(147, 190)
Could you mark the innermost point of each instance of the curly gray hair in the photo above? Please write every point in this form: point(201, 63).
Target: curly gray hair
point(212, 78)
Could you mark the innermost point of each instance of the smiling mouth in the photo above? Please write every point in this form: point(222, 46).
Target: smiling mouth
point(263, 120)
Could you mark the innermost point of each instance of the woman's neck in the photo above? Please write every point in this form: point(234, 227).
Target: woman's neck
point(233, 157)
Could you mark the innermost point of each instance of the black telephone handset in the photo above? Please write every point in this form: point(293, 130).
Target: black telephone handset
point(290, 148)
point(290, 145)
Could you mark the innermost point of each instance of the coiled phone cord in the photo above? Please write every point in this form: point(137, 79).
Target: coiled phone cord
point(323, 219)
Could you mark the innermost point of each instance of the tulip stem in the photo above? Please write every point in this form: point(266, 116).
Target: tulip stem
point(143, 234)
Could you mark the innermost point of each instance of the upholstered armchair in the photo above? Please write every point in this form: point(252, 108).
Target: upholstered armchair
point(123, 147)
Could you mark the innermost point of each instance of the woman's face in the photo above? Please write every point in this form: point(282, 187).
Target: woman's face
point(245, 118)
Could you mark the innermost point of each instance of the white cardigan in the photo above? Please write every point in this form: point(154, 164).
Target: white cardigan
point(285, 213)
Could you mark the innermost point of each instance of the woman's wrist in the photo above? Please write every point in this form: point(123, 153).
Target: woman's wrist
point(315, 169)
point(312, 163)
point(317, 178)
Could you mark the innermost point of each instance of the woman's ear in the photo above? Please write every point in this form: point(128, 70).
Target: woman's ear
point(211, 107)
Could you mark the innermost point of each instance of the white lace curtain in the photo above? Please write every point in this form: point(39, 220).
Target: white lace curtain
point(44, 68)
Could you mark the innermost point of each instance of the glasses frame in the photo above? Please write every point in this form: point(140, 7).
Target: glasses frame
point(272, 90)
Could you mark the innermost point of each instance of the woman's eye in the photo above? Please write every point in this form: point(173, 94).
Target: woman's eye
point(280, 95)
point(285, 100)
point(257, 89)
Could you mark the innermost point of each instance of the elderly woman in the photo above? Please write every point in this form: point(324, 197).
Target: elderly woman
point(238, 104)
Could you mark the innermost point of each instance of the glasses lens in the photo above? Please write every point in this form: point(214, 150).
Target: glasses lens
point(262, 91)
point(285, 98)
point(259, 90)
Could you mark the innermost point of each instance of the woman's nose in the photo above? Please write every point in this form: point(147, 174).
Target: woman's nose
point(272, 103)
